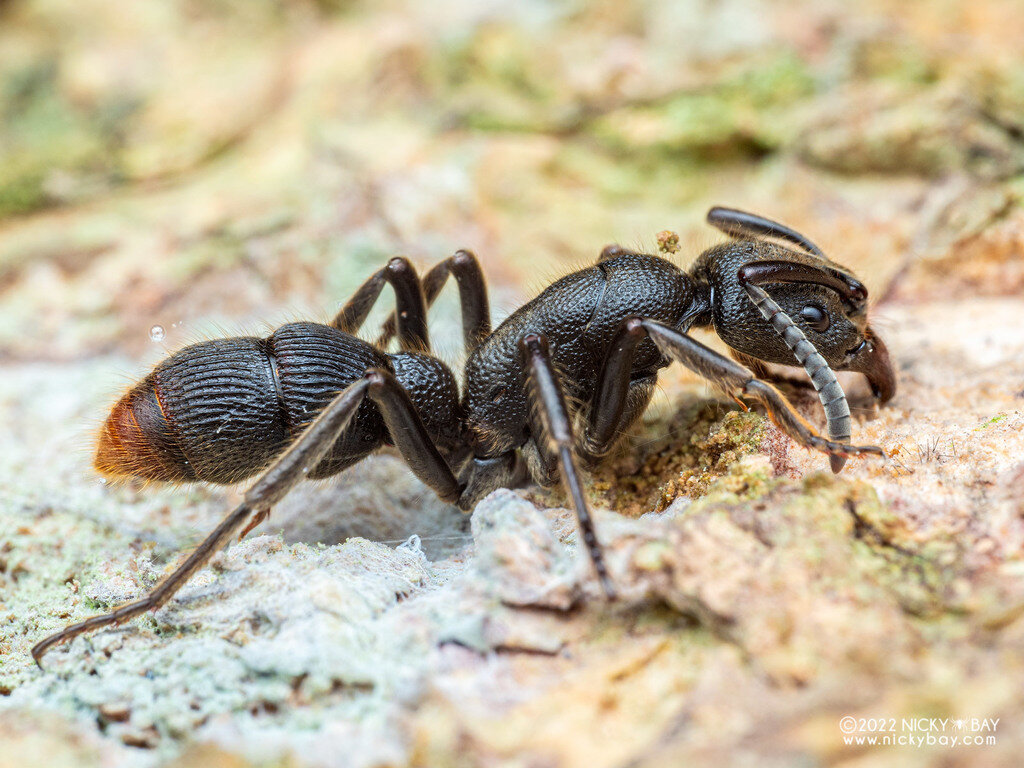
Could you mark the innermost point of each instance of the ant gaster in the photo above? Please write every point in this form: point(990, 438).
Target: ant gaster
point(313, 399)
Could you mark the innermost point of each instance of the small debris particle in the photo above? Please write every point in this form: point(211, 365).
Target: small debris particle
point(115, 712)
point(668, 241)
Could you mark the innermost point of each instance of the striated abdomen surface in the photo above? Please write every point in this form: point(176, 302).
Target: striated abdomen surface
point(221, 410)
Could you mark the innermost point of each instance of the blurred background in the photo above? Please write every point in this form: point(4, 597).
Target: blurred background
point(172, 170)
point(211, 165)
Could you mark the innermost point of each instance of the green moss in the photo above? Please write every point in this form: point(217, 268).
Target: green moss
point(994, 420)
point(905, 129)
point(735, 117)
point(883, 556)
point(720, 464)
point(895, 58)
point(853, 544)
point(50, 148)
point(497, 79)
point(1001, 91)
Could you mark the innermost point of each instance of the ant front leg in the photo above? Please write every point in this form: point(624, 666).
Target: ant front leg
point(761, 370)
point(737, 380)
point(547, 390)
point(287, 471)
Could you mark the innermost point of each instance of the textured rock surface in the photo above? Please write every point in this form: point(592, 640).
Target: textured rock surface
point(214, 169)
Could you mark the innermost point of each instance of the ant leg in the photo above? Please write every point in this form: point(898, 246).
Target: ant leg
point(476, 313)
point(619, 399)
point(614, 249)
point(737, 380)
point(411, 437)
point(272, 485)
point(557, 426)
point(762, 371)
point(409, 300)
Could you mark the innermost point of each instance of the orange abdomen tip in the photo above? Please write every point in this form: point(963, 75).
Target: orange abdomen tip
point(137, 441)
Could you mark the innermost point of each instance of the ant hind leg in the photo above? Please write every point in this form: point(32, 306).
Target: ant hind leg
point(278, 479)
point(476, 313)
point(409, 300)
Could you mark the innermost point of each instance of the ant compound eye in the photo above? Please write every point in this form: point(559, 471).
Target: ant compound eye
point(496, 394)
point(816, 317)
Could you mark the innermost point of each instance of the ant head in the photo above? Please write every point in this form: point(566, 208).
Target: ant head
point(822, 299)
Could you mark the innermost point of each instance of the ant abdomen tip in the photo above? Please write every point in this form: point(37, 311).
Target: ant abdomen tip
point(132, 442)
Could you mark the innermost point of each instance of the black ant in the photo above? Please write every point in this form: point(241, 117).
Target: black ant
point(313, 399)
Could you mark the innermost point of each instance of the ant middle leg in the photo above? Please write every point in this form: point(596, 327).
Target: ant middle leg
point(411, 438)
point(558, 439)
